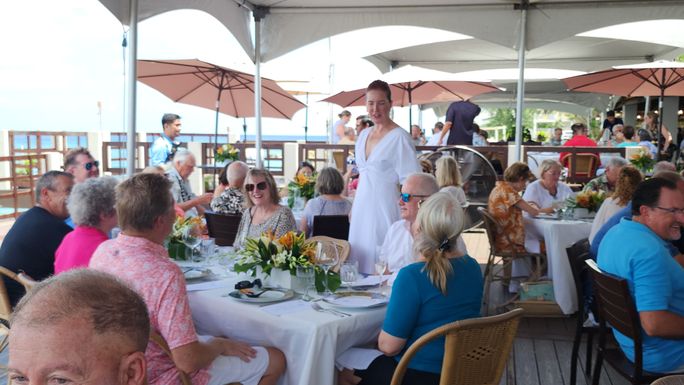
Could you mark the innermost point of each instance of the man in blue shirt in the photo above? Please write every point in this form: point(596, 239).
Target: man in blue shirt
point(636, 250)
point(164, 147)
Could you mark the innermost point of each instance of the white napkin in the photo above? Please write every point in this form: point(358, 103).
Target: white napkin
point(286, 307)
point(357, 301)
point(369, 280)
point(222, 283)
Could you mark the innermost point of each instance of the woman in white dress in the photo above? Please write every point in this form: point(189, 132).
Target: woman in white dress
point(628, 179)
point(385, 156)
point(449, 179)
point(547, 190)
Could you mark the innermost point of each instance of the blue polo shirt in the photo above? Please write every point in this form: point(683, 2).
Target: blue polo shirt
point(417, 306)
point(632, 251)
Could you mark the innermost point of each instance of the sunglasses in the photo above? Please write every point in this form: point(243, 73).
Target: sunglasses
point(260, 186)
point(88, 166)
point(248, 285)
point(407, 197)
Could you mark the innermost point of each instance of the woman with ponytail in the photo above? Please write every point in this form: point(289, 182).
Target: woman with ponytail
point(444, 286)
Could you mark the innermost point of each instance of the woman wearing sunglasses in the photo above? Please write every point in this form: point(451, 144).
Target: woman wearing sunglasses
point(263, 213)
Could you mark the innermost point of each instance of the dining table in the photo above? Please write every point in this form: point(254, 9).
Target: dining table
point(557, 235)
point(311, 340)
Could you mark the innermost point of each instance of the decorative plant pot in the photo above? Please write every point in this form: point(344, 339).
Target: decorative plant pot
point(178, 251)
point(580, 212)
point(281, 278)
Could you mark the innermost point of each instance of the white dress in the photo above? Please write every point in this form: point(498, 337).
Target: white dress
point(375, 203)
point(608, 208)
point(536, 193)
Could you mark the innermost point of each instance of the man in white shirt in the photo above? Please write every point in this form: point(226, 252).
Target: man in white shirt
point(436, 132)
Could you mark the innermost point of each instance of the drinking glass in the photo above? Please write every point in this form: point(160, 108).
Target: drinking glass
point(380, 268)
point(326, 259)
point(348, 273)
point(208, 248)
point(308, 275)
point(192, 241)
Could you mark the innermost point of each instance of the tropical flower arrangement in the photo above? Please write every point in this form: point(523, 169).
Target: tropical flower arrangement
point(285, 253)
point(182, 229)
point(226, 152)
point(642, 160)
point(590, 200)
point(302, 185)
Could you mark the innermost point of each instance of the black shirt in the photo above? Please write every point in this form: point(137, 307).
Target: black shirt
point(30, 246)
point(461, 115)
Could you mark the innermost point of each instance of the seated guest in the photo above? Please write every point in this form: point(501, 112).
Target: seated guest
point(479, 136)
point(329, 187)
point(444, 286)
point(436, 132)
point(228, 196)
point(645, 140)
point(579, 139)
point(417, 135)
point(664, 165)
point(137, 256)
point(506, 206)
point(182, 166)
point(263, 213)
point(606, 182)
point(349, 136)
point(618, 135)
point(91, 205)
point(449, 179)
point(557, 138)
point(81, 164)
point(426, 166)
point(362, 122)
point(307, 169)
point(547, 191)
point(655, 279)
point(80, 327)
point(627, 182)
point(30, 244)
point(628, 132)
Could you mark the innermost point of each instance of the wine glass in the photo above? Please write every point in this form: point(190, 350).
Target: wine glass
point(380, 268)
point(307, 274)
point(192, 241)
point(326, 259)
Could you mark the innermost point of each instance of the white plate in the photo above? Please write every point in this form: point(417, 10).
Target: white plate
point(547, 216)
point(194, 274)
point(273, 295)
point(356, 299)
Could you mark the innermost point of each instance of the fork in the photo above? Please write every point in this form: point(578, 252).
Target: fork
point(321, 309)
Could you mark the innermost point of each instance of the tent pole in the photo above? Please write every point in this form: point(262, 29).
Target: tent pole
point(306, 119)
point(522, 38)
point(257, 86)
point(660, 116)
point(216, 120)
point(131, 88)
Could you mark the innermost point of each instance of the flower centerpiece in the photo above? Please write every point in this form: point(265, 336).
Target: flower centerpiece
point(642, 160)
point(226, 152)
point(589, 200)
point(285, 253)
point(300, 186)
point(183, 228)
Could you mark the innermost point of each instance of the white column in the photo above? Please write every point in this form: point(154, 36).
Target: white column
point(131, 87)
point(519, 105)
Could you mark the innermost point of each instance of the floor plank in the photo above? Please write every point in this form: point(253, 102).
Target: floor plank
point(526, 372)
point(547, 362)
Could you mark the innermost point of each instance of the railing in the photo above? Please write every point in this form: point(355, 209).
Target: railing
point(318, 154)
point(183, 138)
point(573, 151)
point(115, 156)
point(38, 142)
point(19, 188)
point(273, 155)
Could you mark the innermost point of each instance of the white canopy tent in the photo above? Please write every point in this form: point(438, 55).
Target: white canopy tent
point(282, 26)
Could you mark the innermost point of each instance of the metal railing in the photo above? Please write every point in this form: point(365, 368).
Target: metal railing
point(38, 142)
point(318, 154)
point(19, 188)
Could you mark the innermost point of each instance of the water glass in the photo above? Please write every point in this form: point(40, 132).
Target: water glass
point(349, 271)
point(208, 248)
point(308, 275)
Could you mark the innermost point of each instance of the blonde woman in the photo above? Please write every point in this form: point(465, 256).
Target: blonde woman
point(442, 287)
point(548, 190)
point(449, 179)
point(628, 179)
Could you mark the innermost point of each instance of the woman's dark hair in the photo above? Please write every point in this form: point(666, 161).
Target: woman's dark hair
point(379, 85)
point(647, 193)
point(306, 164)
point(644, 135)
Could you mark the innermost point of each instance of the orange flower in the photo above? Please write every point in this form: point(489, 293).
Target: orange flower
point(287, 240)
point(583, 200)
point(301, 179)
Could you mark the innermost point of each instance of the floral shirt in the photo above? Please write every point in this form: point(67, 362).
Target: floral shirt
point(279, 223)
point(146, 267)
point(502, 201)
point(231, 201)
point(598, 184)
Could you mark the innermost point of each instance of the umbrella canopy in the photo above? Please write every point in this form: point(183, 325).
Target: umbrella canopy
point(204, 84)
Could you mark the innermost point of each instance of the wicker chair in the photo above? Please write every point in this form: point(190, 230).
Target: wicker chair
point(222, 227)
point(499, 261)
point(475, 350)
point(342, 246)
point(5, 305)
point(669, 380)
point(616, 307)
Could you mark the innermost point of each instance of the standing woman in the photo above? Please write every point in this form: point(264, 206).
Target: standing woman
point(385, 156)
point(651, 124)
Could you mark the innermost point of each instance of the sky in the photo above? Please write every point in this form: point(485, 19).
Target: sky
point(63, 59)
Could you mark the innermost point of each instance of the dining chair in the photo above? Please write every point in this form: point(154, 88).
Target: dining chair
point(5, 305)
point(500, 261)
point(669, 380)
point(342, 246)
point(577, 254)
point(616, 307)
point(586, 165)
point(223, 228)
point(334, 226)
point(475, 350)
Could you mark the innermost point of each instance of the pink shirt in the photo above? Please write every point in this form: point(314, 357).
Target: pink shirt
point(77, 247)
point(146, 267)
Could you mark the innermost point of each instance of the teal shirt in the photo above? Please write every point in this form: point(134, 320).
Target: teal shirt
point(417, 307)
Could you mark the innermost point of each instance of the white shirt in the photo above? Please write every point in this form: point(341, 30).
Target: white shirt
point(434, 139)
point(457, 193)
point(536, 193)
point(608, 208)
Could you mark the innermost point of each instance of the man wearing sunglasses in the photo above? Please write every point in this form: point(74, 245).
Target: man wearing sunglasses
point(183, 166)
point(81, 164)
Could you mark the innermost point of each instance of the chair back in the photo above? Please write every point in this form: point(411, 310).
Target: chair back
point(334, 226)
point(669, 380)
point(475, 350)
point(161, 342)
point(222, 227)
point(585, 167)
point(577, 254)
point(342, 246)
point(5, 305)
point(616, 307)
point(490, 224)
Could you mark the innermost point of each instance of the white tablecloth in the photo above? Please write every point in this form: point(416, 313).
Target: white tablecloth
point(310, 340)
point(535, 159)
point(557, 235)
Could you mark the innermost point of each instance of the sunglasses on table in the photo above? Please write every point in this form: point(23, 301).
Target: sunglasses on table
point(88, 166)
point(259, 186)
point(405, 197)
point(248, 285)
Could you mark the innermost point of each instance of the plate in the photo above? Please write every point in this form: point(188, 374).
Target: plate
point(356, 299)
point(546, 216)
point(193, 275)
point(273, 295)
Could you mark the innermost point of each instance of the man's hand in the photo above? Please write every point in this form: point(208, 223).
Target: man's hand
point(239, 349)
point(205, 198)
